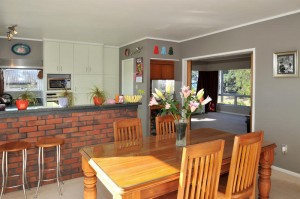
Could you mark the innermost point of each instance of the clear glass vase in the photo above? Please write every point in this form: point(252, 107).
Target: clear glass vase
point(180, 132)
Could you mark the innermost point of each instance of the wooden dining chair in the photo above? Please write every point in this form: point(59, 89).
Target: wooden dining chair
point(128, 129)
point(242, 175)
point(200, 170)
point(165, 125)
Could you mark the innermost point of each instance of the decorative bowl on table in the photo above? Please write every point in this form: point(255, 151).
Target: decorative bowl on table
point(132, 98)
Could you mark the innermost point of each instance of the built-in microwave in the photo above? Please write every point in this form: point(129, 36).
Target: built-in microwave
point(58, 81)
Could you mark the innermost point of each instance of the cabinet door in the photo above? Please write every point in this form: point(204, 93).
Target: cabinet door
point(81, 58)
point(84, 83)
point(66, 58)
point(81, 99)
point(111, 85)
point(111, 61)
point(155, 71)
point(167, 71)
point(51, 56)
point(95, 59)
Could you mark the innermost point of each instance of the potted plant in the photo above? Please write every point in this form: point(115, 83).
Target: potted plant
point(65, 99)
point(25, 99)
point(97, 95)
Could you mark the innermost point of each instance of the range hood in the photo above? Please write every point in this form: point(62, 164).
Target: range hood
point(21, 63)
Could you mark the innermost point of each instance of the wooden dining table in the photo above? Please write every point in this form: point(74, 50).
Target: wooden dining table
point(150, 167)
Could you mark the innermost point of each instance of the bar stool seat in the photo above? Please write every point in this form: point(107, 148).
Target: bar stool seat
point(48, 143)
point(9, 147)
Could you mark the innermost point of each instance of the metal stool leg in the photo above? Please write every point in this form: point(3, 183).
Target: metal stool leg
point(3, 173)
point(58, 169)
point(26, 181)
point(24, 154)
point(61, 180)
point(39, 166)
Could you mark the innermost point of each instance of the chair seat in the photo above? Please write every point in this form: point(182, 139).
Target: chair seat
point(14, 146)
point(49, 142)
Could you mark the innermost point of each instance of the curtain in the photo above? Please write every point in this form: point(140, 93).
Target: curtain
point(208, 80)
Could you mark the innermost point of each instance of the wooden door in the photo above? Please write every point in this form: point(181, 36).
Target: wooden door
point(167, 71)
point(155, 71)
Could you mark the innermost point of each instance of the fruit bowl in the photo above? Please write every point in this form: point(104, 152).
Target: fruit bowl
point(132, 98)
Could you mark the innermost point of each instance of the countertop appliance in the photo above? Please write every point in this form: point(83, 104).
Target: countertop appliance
point(58, 82)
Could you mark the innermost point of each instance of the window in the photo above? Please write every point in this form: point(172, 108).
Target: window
point(235, 87)
point(195, 74)
point(21, 79)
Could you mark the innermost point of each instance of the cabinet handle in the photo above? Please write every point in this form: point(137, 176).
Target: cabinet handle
point(57, 68)
point(60, 68)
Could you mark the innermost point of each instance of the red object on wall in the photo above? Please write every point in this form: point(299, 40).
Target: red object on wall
point(156, 51)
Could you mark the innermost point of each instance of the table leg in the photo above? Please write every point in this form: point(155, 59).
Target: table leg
point(90, 180)
point(264, 181)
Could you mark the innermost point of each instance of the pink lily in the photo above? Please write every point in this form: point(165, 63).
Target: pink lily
point(153, 102)
point(186, 91)
point(193, 106)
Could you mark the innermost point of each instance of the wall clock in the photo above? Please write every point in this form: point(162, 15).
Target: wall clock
point(21, 49)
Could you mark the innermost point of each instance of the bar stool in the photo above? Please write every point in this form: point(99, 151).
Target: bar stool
point(47, 143)
point(6, 148)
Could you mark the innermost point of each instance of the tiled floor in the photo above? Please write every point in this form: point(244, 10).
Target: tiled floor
point(284, 186)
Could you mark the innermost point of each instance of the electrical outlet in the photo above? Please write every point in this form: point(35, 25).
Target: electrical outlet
point(284, 148)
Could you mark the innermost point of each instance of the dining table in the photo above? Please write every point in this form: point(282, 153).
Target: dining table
point(150, 167)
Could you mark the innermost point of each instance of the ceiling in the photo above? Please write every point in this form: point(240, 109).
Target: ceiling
point(119, 22)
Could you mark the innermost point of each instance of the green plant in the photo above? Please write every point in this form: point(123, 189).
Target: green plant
point(27, 95)
point(97, 92)
point(69, 95)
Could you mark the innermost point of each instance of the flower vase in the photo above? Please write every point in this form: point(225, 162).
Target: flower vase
point(180, 132)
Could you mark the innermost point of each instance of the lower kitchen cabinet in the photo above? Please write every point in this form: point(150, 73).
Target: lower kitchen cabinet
point(83, 85)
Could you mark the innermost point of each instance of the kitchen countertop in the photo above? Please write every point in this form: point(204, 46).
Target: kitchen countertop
point(40, 110)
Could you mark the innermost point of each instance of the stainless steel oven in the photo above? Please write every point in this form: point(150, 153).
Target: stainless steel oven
point(58, 81)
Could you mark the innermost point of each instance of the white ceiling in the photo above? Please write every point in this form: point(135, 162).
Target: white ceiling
point(118, 22)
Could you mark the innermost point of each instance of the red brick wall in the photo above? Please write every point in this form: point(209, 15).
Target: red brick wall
point(78, 129)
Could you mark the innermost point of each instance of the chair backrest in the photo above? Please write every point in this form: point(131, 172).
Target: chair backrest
point(244, 165)
point(200, 170)
point(165, 125)
point(128, 129)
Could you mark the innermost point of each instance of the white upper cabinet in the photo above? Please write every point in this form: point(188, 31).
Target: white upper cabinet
point(58, 57)
point(88, 59)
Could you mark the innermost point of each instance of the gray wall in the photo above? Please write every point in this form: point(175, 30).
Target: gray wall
point(147, 54)
point(276, 99)
point(36, 49)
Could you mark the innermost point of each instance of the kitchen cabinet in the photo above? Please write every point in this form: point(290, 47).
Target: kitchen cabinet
point(111, 71)
point(160, 69)
point(88, 59)
point(82, 85)
point(58, 57)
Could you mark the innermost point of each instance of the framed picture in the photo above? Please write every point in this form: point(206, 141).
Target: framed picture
point(285, 64)
point(21, 49)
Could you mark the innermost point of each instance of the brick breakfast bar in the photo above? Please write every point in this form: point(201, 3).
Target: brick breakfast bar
point(79, 126)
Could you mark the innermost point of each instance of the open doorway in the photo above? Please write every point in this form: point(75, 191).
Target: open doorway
point(227, 78)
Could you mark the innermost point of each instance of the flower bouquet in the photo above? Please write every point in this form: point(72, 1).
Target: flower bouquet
point(191, 102)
